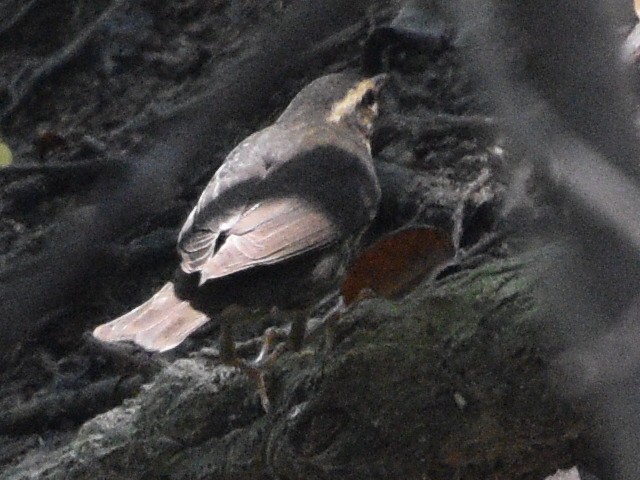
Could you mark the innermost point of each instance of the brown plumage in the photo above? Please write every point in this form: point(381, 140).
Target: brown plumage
point(279, 221)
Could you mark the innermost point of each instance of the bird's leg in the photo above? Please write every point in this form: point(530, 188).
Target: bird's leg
point(294, 335)
point(297, 333)
point(270, 336)
point(328, 321)
point(228, 356)
point(227, 345)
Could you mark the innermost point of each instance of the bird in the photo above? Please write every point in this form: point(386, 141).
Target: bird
point(278, 223)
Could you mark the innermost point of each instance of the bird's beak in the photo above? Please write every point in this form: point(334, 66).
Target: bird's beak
point(379, 81)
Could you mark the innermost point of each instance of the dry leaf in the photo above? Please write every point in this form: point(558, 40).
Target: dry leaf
point(48, 141)
point(397, 262)
point(5, 155)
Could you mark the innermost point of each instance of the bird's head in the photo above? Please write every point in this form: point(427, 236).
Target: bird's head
point(359, 106)
point(343, 99)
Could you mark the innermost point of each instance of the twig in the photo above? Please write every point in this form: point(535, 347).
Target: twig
point(427, 126)
point(156, 113)
point(149, 249)
point(332, 44)
point(431, 123)
point(411, 197)
point(441, 120)
point(458, 214)
point(469, 258)
point(83, 169)
point(25, 9)
point(30, 77)
point(77, 405)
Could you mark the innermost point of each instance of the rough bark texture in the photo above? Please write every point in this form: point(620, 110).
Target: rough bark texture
point(444, 383)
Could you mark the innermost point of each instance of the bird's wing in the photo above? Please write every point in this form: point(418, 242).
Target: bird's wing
point(281, 194)
point(230, 192)
point(271, 231)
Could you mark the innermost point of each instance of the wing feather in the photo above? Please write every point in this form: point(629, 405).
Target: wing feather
point(238, 224)
point(270, 232)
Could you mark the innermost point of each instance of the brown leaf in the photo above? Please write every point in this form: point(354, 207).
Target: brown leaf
point(397, 262)
point(48, 141)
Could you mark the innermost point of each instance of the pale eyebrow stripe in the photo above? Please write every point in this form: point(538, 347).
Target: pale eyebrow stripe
point(346, 104)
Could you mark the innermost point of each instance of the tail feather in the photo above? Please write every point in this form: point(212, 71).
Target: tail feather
point(159, 324)
point(181, 322)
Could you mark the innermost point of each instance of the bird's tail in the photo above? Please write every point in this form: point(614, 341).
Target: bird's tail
point(159, 324)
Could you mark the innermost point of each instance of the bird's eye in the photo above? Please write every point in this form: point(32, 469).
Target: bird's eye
point(368, 99)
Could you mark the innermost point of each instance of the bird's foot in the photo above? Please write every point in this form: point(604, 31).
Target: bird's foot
point(256, 375)
point(267, 354)
point(229, 356)
point(276, 341)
